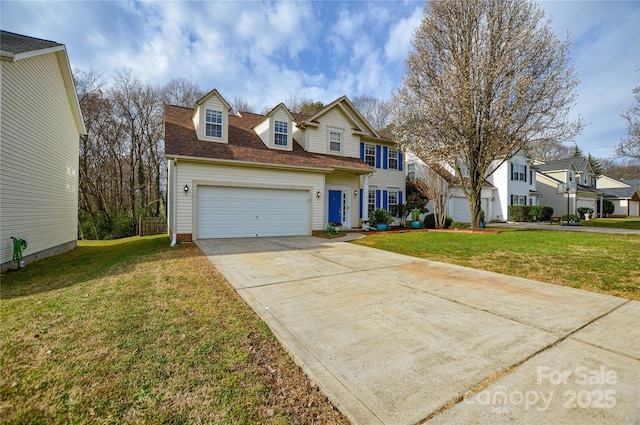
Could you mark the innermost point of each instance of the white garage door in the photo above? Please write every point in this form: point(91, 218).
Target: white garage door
point(233, 212)
point(460, 208)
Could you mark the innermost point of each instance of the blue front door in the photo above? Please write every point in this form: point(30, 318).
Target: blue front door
point(335, 206)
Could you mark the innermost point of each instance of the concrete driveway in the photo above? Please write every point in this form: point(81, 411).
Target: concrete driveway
point(393, 339)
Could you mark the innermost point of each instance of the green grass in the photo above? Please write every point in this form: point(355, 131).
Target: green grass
point(617, 223)
point(133, 331)
point(597, 262)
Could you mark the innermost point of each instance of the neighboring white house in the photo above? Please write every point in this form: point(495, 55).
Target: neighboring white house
point(512, 183)
point(40, 123)
point(248, 175)
point(569, 170)
point(624, 194)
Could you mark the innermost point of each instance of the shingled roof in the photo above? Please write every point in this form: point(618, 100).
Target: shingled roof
point(245, 145)
point(13, 44)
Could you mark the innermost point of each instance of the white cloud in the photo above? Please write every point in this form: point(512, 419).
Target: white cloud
point(399, 43)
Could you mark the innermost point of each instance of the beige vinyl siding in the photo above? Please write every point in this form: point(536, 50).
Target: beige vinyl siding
point(387, 178)
point(39, 157)
point(300, 136)
point(216, 104)
point(318, 137)
point(195, 174)
point(262, 130)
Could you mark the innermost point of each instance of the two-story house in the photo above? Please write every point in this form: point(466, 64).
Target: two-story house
point(513, 182)
point(280, 174)
point(624, 194)
point(40, 125)
point(574, 170)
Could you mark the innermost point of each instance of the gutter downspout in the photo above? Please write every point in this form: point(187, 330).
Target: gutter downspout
point(173, 204)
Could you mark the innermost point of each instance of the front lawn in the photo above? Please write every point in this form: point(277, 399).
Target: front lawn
point(617, 223)
point(133, 331)
point(596, 262)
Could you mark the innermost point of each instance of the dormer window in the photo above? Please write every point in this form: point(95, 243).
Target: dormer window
point(213, 123)
point(335, 140)
point(280, 133)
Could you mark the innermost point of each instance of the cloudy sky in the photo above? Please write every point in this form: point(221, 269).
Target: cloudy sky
point(267, 52)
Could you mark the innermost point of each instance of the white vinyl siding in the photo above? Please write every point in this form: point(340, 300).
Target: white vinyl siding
point(39, 157)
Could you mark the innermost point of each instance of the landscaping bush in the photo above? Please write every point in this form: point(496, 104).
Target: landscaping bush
point(430, 221)
point(519, 212)
point(540, 213)
point(381, 216)
point(528, 212)
point(582, 211)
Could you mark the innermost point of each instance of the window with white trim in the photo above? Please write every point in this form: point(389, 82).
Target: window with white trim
point(518, 200)
point(393, 159)
point(371, 205)
point(280, 133)
point(370, 154)
point(335, 140)
point(392, 201)
point(213, 123)
point(519, 172)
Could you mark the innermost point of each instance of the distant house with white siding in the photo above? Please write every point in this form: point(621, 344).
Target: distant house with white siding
point(280, 174)
point(40, 121)
point(624, 194)
point(513, 182)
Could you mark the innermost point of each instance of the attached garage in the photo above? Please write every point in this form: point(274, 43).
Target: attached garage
point(459, 208)
point(237, 212)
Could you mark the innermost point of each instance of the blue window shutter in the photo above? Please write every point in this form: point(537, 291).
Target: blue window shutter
point(385, 157)
point(525, 173)
point(362, 201)
point(399, 161)
point(385, 203)
point(377, 198)
point(362, 151)
point(378, 156)
point(399, 197)
point(511, 171)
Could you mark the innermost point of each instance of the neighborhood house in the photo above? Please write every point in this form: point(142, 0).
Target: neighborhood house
point(240, 174)
point(40, 125)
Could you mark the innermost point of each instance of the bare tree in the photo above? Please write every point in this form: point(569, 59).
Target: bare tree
point(376, 111)
point(437, 184)
point(630, 146)
point(242, 105)
point(549, 150)
point(181, 92)
point(486, 79)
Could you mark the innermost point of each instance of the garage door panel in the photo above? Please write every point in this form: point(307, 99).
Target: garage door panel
point(225, 212)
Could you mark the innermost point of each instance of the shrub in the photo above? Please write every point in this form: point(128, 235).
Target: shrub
point(430, 221)
point(381, 216)
point(519, 212)
point(528, 212)
point(582, 211)
point(608, 207)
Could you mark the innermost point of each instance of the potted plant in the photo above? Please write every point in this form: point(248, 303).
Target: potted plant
point(381, 218)
point(333, 226)
point(483, 224)
point(415, 218)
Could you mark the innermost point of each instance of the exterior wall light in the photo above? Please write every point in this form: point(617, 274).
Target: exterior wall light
point(186, 188)
point(355, 192)
point(318, 194)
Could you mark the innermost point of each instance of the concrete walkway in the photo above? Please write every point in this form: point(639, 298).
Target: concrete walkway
point(392, 339)
point(558, 227)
